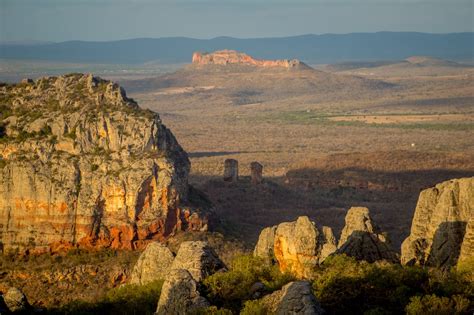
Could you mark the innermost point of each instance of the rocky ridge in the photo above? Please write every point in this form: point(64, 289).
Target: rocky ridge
point(82, 165)
point(227, 57)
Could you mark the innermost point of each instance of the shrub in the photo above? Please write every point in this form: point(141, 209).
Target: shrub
point(434, 305)
point(127, 299)
point(254, 307)
point(232, 288)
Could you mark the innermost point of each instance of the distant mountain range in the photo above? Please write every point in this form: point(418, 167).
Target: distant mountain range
point(328, 48)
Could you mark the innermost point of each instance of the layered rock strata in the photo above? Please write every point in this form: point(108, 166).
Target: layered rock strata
point(82, 165)
point(227, 57)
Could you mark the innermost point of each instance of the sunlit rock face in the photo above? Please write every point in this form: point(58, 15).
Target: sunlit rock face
point(228, 57)
point(442, 231)
point(82, 165)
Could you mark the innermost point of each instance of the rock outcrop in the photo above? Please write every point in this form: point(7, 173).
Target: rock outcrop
point(442, 230)
point(362, 239)
point(15, 301)
point(153, 264)
point(298, 247)
point(179, 294)
point(265, 243)
point(82, 165)
point(198, 258)
point(294, 298)
point(227, 57)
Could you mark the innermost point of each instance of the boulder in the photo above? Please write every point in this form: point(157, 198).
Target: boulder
point(153, 264)
point(362, 239)
point(198, 258)
point(298, 246)
point(264, 247)
point(15, 300)
point(442, 228)
point(179, 294)
point(294, 298)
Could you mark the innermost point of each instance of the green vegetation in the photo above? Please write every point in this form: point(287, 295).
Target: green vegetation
point(344, 285)
point(434, 305)
point(233, 288)
point(127, 299)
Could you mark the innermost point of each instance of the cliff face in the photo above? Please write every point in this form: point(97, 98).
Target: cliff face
point(226, 57)
point(83, 165)
point(442, 229)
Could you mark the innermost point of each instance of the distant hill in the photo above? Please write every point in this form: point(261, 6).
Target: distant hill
point(411, 66)
point(328, 48)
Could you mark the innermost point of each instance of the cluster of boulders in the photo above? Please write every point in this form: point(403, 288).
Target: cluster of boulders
point(194, 261)
point(13, 301)
point(299, 246)
point(442, 235)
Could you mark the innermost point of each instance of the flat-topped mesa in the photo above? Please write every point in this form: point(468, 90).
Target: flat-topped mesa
point(82, 165)
point(226, 57)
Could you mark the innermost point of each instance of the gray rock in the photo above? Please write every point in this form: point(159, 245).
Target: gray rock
point(179, 294)
point(153, 264)
point(198, 258)
point(15, 300)
point(442, 231)
point(362, 239)
point(294, 298)
point(264, 247)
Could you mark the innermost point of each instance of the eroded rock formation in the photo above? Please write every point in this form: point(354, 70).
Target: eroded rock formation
point(179, 294)
point(442, 230)
point(198, 258)
point(297, 246)
point(293, 298)
point(226, 57)
point(82, 165)
point(153, 264)
point(362, 239)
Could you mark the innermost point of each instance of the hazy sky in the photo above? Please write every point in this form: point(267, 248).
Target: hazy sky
point(60, 20)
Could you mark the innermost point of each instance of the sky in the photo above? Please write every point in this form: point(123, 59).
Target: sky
point(102, 20)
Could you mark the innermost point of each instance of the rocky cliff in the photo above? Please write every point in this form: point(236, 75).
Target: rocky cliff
point(442, 231)
point(226, 57)
point(82, 165)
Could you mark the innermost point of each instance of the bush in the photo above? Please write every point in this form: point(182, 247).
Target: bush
point(434, 305)
point(254, 308)
point(127, 299)
point(232, 288)
point(344, 285)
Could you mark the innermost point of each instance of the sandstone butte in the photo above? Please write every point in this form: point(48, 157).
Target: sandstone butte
point(227, 57)
point(81, 165)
